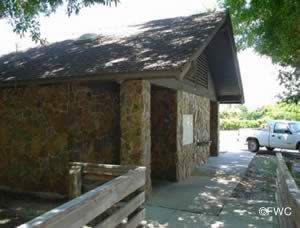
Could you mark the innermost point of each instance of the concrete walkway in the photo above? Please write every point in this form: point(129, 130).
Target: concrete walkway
point(204, 199)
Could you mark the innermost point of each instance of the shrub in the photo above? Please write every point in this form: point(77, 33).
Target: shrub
point(240, 117)
point(234, 124)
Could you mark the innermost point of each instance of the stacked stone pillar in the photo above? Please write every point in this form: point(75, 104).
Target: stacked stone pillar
point(214, 128)
point(135, 125)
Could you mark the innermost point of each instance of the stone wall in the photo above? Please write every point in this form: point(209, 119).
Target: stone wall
point(170, 158)
point(43, 128)
point(191, 154)
point(163, 132)
point(135, 101)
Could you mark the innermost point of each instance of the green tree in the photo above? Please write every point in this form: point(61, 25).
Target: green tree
point(23, 14)
point(290, 80)
point(272, 28)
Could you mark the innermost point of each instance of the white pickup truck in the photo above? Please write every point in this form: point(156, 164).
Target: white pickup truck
point(277, 134)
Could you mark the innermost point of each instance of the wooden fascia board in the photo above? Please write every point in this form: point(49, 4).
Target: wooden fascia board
point(230, 99)
point(234, 54)
point(97, 77)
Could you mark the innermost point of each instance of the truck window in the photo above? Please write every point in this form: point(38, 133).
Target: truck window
point(295, 127)
point(281, 128)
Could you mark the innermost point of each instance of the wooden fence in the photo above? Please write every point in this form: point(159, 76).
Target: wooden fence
point(117, 201)
point(287, 195)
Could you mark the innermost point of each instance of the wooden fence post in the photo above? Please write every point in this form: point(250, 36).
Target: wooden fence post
point(75, 182)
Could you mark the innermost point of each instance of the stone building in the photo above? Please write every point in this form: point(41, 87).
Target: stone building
point(146, 95)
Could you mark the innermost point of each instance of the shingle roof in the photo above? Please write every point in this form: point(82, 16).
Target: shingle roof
point(159, 45)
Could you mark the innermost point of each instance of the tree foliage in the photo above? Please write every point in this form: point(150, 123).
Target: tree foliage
point(272, 28)
point(290, 80)
point(23, 14)
point(239, 116)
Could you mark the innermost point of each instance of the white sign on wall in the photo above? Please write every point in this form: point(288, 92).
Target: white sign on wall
point(188, 130)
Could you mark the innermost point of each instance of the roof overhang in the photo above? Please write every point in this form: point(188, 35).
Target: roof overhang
point(224, 66)
point(226, 84)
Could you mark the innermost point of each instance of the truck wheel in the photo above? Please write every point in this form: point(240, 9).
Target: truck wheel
point(270, 148)
point(253, 145)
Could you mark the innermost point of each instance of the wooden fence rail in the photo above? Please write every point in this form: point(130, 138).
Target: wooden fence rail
point(116, 203)
point(287, 195)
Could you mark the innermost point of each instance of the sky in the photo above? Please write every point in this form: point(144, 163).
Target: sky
point(259, 75)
